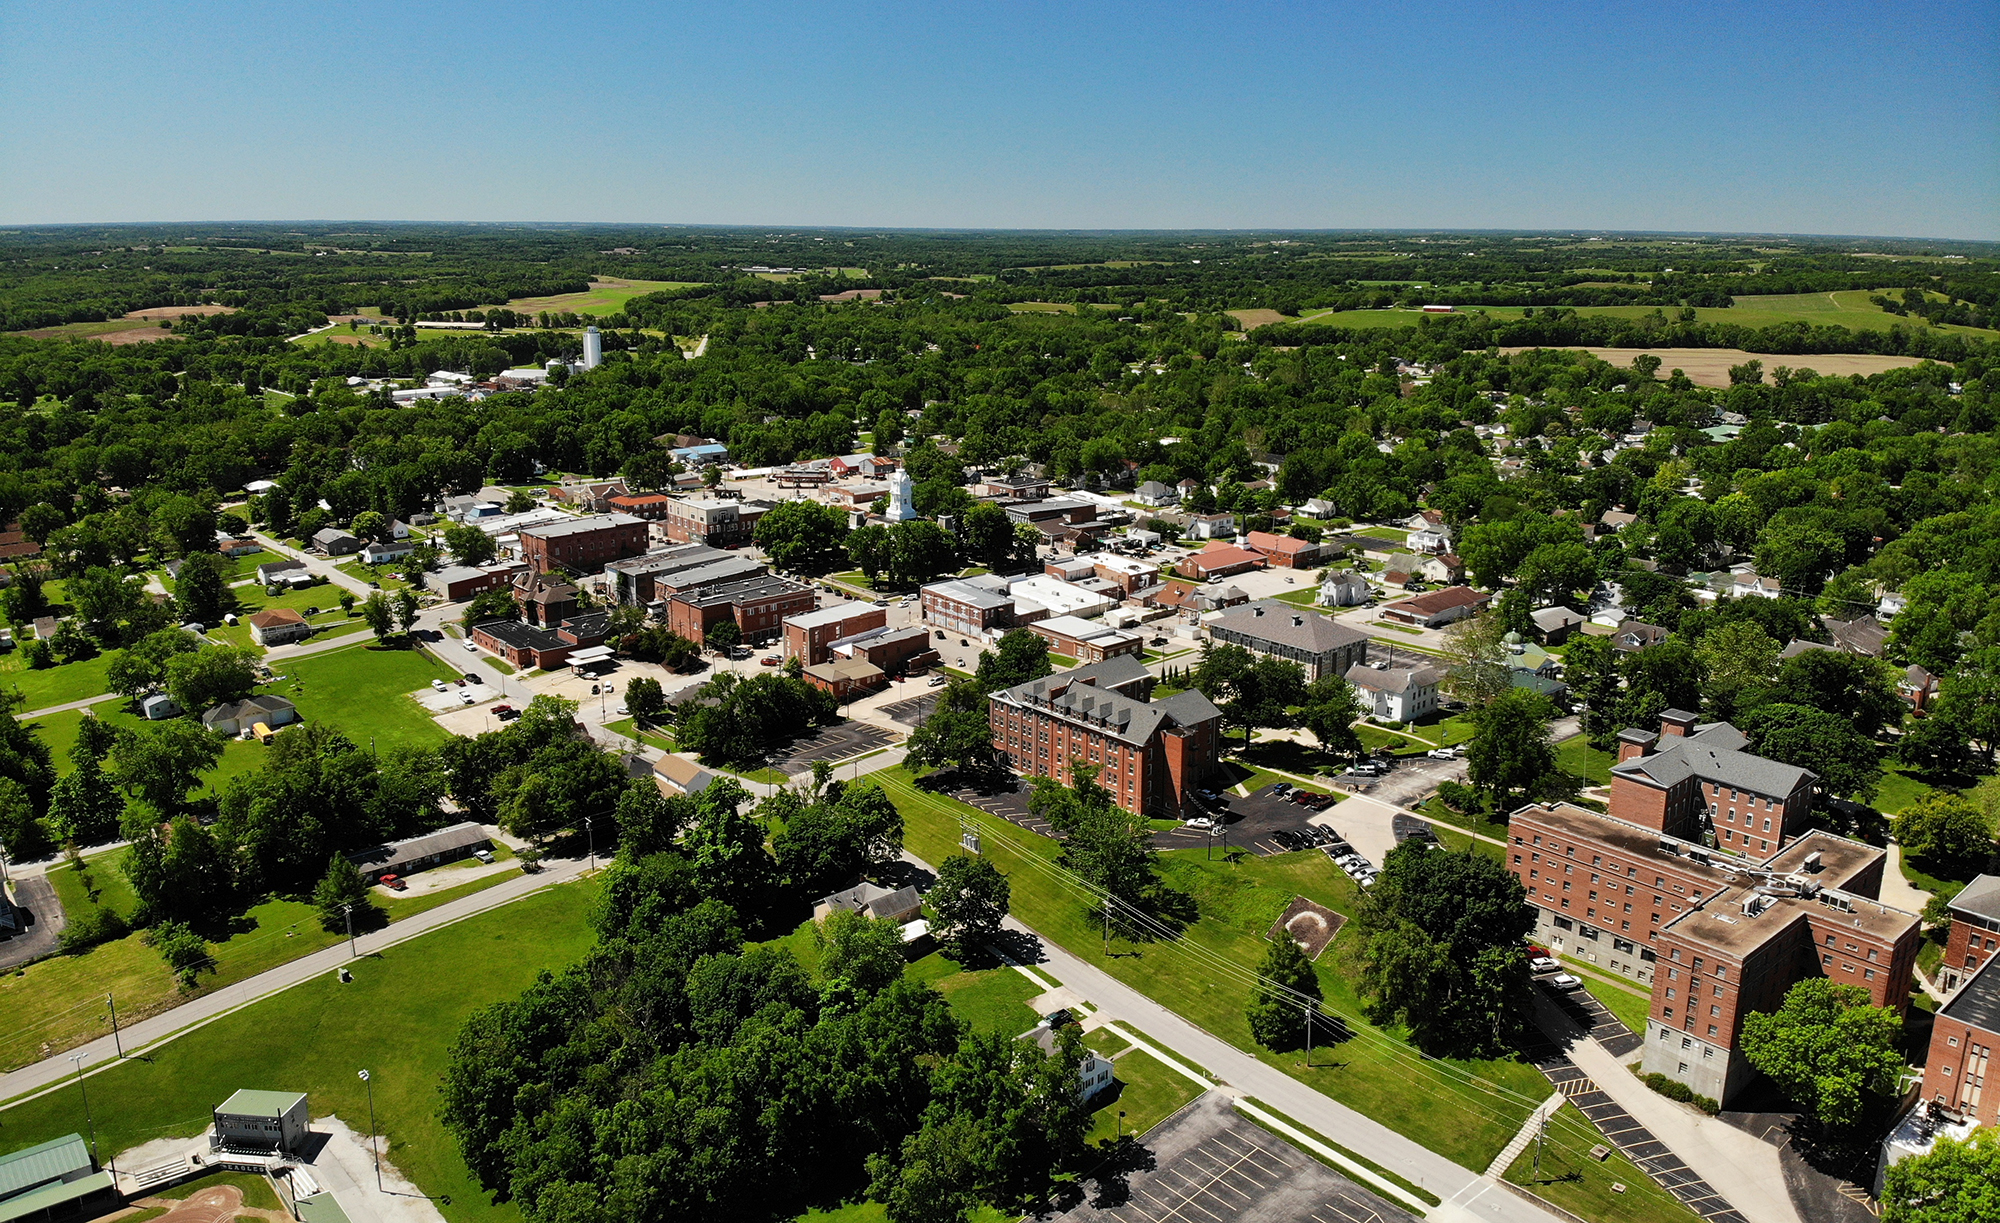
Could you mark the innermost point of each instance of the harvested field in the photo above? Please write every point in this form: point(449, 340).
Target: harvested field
point(1710, 366)
point(176, 311)
point(111, 331)
point(1309, 924)
point(1253, 319)
point(606, 295)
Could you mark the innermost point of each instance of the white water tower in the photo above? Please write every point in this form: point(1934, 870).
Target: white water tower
point(593, 348)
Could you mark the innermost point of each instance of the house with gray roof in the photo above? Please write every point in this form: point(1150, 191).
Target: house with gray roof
point(1275, 629)
point(1694, 780)
point(1395, 694)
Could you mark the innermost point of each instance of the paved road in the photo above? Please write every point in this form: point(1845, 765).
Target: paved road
point(38, 918)
point(1467, 1195)
point(53, 1071)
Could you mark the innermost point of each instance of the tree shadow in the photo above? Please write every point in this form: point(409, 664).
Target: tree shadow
point(1112, 1178)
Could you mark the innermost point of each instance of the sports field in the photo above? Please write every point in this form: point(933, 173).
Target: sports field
point(606, 295)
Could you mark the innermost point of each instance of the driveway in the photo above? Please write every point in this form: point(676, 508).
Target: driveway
point(38, 919)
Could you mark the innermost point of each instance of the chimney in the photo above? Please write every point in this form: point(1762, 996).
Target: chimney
point(1298, 621)
point(1676, 722)
point(1633, 742)
point(1260, 611)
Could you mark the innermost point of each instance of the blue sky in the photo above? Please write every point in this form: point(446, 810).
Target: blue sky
point(1847, 118)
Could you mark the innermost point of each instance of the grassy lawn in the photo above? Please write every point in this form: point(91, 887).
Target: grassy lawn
point(1437, 812)
point(1621, 1000)
point(1146, 1091)
point(1575, 755)
point(1465, 1110)
point(1571, 1179)
point(991, 999)
point(59, 1003)
point(59, 731)
point(72, 681)
point(397, 1019)
point(1109, 1042)
point(1443, 732)
point(1288, 756)
point(252, 598)
point(365, 690)
point(654, 735)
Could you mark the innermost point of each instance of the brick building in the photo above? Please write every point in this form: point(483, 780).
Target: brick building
point(972, 606)
point(1975, 932)
point(845, 678)
point(1219, 560)
point(1438, 608)
point(808, 636)
point(1717, 929)
point(458, 583)
point(664, 572)
point(1152, 755)
point(582, 545)
point(1085, 640)
point(894, 650)
point(715, 522)
point(1284, 551)
point(758, 605)
point(1696, 781)
point(1126, 573)
point(650, 506)
point(1963, 1039)
point(1320, 644)
point(529, 646)
point(545, 599)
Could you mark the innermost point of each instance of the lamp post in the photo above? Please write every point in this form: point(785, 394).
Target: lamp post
point(76, 1060)
point(373, 1149)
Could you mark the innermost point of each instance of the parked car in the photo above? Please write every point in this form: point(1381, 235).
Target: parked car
point(1442, 753)
point(1057, 1019)
point(466, 698)
point(503, 710)
point(1201, 823)
point(769, 660)
point(484, 855)
point(1542, 963)
point(1563, 980)
point(471, 678)
point(469, 647)
point(507, 713)
point(1282, 788)
point(393, 881)
point(939, 681)
point(438, 684)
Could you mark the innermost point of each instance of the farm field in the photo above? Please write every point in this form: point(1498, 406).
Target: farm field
point(606, 295)
point(397, 1018)
point(1710, 366)
point(1849, 308)
point(137, 327)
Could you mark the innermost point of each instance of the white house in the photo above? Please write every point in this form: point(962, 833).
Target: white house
point(1343, 588)
point(385, 551)
point(1154, 493)
point(1396, 694)
point(1212, 526)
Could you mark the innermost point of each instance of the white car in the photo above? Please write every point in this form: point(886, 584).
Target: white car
point(1201, 824)
point(469, 647)
point(1442, 753)
point(1542, 963)
point(438, 684)
point(1563, 980)
point(465, 698)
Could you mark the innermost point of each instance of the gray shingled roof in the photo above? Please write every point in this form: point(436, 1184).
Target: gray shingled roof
point(1981, 897)
point(1391, 679)
point(1283, 624)
point(1977, 1002)
point(1121, 716)
point(1714, 754)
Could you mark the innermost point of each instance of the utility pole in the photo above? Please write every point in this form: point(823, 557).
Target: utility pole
point(115, 1043)
point(1541, 1132)
point(371, 1130)
point(347, 911)
point(76, 1060)
point(590, 830)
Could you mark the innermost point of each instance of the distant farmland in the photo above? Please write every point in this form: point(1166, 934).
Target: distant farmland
point(138, 327)
point(606, 295)
point(1849, 308)
point(1710, 366)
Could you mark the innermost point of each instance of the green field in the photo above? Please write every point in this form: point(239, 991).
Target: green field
point(1575, 755)
point(606, 295)
point(92, 331)
point(1583, 1186)
point(1849, 308)
point(365, 690)
point(58, 1003)
point(1465, 1110)
point(59, 731)
point(72, 681)
point(396, 1019)
point(991, 999)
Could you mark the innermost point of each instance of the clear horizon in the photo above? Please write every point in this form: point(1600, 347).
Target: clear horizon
point(1805, 120)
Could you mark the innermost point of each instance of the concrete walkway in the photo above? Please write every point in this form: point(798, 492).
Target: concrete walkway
point(1739, 1167)
point(56, 1071)
point(1530, 1129)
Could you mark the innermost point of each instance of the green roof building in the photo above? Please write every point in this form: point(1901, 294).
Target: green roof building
point(54, 1180)
point(260, 1121)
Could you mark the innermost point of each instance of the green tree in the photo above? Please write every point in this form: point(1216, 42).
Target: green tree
point(342, 892)
point(1278, 1014)
point(141, 667)
point(406, 607)
point(1847, 763)
point(162, 763)
point(967, 902)
point(84, 806)
point(22, 600)
point(490, 605)
point(919, 550)
point(726, 846)
point(868, 550)
point(185, 952)
point(1558, 572)
point(211, 676)
point(1443, 951)
point(380, 617)
point(1331, 708)
point(1828, 1050)
point(1735, 658)
point(1590, 668)
point(469, 544)
point(1945, 828)
point(644, 698)
point(957, 734)
point(724, 636)
point(1017, 658)
point(805, 536)
point(1510, 754)
point(200, 595)
point(865, 952)
point(1956, 1181)
point(103, 600)
point(1476, 670)
point(369, 527)
point(183, 526)
point(1109, 848)
point(23, 838)
point(1854, 686)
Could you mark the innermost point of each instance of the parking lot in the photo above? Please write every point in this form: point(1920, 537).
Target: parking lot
point(914, 710)
point(832, 743)
point(1261, 822)
point(1211, 1166)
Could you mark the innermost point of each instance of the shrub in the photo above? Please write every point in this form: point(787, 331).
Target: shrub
point(88, 929)
point(1674, 1089)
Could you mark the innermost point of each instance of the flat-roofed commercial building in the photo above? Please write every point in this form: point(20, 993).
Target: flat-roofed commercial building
point(712, 521)
point(970, 606)
point(583, 545)
point(808, 635)
point(758, 605)
point(1086, 641)
point(1151, 755)
point(664, 572)
point(1964, 1036)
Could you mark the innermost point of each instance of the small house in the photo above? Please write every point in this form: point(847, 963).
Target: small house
point(420, 852)
point(869, 900)
point(335, 542)
point(679, 775)
point(158, 707)
point(57, 1179)
point(384, 551)
point(277, 626)
point(1395, 694)
point(235, 717)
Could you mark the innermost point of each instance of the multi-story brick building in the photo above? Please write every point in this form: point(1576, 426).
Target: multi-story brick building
point(1126, 573)
point(715, 522)
point(1975, 932)
point(660, 574)
point(650, 506)
point(758, 605)
point(808, 636)
point(1320, 644)
point(1697, 782)
point(1151, 755)
point(972, 606)
point(1964, 1036)
point(582, 545)
point(1717, 929)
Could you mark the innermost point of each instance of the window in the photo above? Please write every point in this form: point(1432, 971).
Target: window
point(1684, 1067)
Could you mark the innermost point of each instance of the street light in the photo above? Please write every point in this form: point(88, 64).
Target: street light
point(376, 1151)
point(76, 1060)
point(590, 830)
